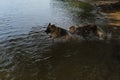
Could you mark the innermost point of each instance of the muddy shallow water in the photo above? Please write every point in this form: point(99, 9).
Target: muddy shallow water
point(26, 52)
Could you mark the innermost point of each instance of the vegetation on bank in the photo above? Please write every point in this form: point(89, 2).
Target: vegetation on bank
point(83, 5)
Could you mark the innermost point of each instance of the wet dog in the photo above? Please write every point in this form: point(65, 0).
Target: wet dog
point(57, 32)
point(86, 30)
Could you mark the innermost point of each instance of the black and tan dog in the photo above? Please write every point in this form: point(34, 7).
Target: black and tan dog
point(86, 30)
point(57, 32)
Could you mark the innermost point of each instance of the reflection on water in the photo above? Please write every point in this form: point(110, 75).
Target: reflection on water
point(18, 16)
point(26, 52)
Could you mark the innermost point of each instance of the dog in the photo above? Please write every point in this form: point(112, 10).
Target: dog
point(57, 32)
point(86, 30)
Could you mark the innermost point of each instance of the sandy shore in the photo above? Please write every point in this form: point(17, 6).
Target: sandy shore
point(115, 18)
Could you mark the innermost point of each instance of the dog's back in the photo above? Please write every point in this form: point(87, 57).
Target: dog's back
point(62, 32)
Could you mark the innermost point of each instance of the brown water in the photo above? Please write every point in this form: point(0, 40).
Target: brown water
point(26, 52)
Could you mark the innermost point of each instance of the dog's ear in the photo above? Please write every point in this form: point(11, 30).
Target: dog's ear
point(49, 24)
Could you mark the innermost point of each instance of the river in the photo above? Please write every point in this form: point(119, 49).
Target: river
point(26, 52)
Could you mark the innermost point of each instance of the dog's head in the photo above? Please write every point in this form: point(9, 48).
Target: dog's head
point(50, 28)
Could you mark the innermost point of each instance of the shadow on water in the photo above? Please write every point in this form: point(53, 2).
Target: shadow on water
point(33, 57)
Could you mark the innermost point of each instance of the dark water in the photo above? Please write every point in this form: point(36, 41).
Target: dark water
point(26, 52)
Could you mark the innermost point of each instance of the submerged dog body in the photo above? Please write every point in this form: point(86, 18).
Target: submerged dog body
point(86, 30)
point(57, 32)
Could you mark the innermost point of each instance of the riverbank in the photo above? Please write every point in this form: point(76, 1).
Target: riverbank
point(112, 11)
point(115, 18)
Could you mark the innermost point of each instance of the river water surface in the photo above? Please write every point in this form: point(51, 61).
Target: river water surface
point(26, 52)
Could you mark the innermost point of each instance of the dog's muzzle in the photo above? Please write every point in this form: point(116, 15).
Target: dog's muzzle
point(48, 31)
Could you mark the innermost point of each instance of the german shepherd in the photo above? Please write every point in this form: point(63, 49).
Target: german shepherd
point(86, 30)
point(57, 32)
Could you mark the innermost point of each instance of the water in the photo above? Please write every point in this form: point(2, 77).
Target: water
point(26, 52)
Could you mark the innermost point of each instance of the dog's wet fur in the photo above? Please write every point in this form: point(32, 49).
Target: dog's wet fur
point(57, 32)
